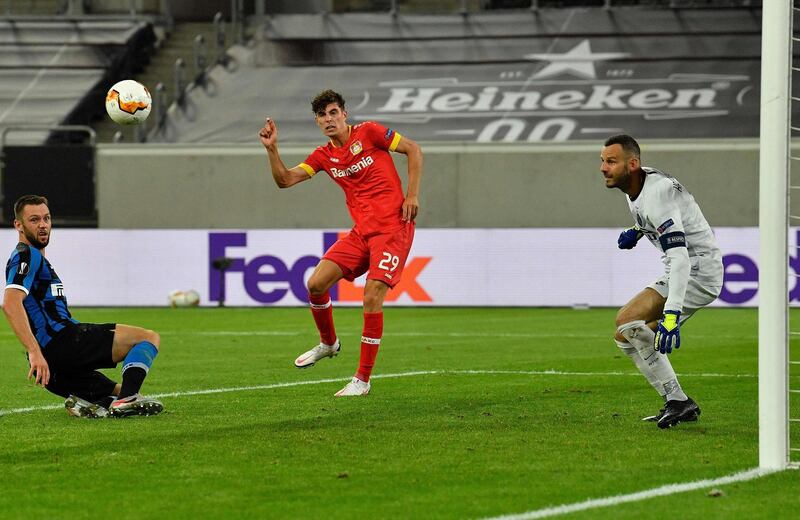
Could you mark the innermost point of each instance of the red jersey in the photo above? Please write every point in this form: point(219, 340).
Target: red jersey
point(365, 171)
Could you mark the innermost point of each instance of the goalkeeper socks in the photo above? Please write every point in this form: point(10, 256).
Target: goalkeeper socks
point(370, 342)
point(642, 365)
point(322, 310)
point(136, 366)
point(642, 338)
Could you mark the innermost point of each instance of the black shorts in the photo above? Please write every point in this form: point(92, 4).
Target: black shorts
point(91, 385)
point(75, 354)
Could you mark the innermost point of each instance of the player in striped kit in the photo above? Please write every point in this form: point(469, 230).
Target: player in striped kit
point(648, 326)
point(357, 159)
point(63, 354)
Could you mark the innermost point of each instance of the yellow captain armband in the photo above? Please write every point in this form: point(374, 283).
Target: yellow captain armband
point(309, 170)
point(395, 141)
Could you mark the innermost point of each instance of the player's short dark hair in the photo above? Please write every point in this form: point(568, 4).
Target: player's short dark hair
point(28, 200)
point(325, 98)
point(628, 144)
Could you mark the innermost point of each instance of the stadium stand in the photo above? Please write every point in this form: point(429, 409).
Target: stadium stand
point(447, 77)
point(56, 71)
point(383, 62)
point(56, 64)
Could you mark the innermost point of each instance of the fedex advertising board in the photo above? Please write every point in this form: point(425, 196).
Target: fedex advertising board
point(448, 267)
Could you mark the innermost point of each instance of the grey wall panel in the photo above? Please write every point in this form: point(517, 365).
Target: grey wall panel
point(724, 182)
point(532, 188)
point(439, 193)
point(165, 186)
point(202, 187)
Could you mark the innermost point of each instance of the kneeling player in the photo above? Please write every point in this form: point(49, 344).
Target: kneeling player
point(63, 354)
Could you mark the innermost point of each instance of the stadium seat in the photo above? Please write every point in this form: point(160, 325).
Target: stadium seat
point(55, 70)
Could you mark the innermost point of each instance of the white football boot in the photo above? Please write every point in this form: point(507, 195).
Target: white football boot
point(354, 387)
point(322, 350)
point(78, 407)
point(135, 405)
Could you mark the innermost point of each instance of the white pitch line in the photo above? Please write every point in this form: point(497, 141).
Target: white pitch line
point(379, 376)
point(424, 334)
point(669, 489)
point(233, 389)
point(560, 373)
point(433, 334)
point(286, 385)
point(405, 334)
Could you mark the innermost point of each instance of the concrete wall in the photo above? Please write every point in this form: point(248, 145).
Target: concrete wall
point(559, 185)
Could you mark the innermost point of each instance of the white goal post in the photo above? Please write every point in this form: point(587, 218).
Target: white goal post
point(773, 333)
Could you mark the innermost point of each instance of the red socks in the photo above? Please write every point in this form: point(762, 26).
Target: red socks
point(370, 341)
point(322, 310)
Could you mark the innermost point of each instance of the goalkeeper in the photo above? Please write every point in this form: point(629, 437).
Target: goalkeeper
point(648, 326)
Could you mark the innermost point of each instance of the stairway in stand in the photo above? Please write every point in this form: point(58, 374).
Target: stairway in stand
point(177, 44)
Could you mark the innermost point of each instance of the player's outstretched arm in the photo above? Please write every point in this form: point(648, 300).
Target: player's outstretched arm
point(15, 314)
point(414, 152)
point(283, 176)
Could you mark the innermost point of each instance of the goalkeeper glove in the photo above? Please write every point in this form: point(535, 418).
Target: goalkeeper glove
point(668, 333)
point(629, 238)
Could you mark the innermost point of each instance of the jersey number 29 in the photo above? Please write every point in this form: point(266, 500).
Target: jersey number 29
point(388, 258)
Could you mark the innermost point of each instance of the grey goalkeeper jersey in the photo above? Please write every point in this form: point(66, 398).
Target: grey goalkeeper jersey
point(670, 218)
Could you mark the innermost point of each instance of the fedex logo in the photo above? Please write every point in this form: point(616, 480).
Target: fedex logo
point(268, 279)
point(741, 277)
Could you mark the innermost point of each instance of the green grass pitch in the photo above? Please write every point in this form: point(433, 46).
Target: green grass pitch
point(490, 412)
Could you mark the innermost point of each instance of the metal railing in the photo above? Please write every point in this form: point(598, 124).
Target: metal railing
point(160, 105)
point(221, 57)
point(202, 62)
point(238, 20)
point(200, 52)
point(179, 91)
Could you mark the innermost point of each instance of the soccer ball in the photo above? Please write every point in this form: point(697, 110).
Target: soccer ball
point(128, 102)
point(188, 298)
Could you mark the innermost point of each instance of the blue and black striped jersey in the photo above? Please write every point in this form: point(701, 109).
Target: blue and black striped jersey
point(45, 303)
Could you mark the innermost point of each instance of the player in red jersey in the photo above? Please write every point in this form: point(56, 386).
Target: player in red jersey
point(357, 159)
